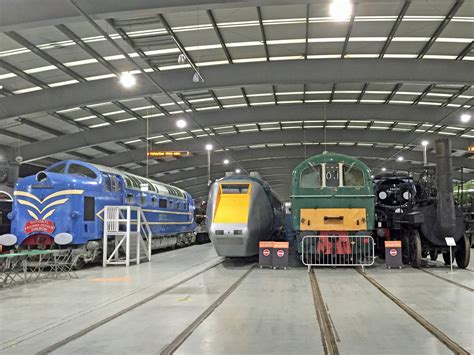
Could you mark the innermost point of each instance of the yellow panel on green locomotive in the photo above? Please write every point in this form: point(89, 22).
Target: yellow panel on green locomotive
point(331, 192)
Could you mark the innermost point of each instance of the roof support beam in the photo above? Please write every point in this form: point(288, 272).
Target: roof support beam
point(440, 28)
point(349, 30)
point(88, 49)
point(18, 72)
point(244, 74)
point(43, 55)
point(284, 137)
point(130, 130)
point(262, 31)
point(219, 36)
point(394, 29)
point(23, 14)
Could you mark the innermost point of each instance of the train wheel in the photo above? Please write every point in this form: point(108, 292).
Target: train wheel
point(434, 255)
point(79, 263)
point(416, 250)
point(446, 258)
point(463, 252)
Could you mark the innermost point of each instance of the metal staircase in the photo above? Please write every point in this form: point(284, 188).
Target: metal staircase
point(128, 234)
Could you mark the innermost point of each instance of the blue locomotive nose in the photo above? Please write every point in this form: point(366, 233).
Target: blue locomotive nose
point(44, 211)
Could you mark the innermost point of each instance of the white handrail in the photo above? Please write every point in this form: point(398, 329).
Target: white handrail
point(129, 229)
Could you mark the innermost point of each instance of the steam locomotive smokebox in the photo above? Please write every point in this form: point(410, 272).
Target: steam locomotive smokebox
point(265, 254)
point(280, 255)
point(393, 254)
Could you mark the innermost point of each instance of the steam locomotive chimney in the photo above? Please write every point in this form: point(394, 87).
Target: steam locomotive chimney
point(444, 178)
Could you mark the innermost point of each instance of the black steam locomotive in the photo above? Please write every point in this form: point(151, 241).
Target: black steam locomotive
point(422, 213)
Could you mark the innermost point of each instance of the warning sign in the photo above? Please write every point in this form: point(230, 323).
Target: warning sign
point(266, 252)
point(280, 253)
point(393, 252)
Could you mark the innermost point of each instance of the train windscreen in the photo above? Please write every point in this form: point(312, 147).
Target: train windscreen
point(234, 188)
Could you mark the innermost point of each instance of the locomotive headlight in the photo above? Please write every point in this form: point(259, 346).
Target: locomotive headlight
point(382, 195)
point(407, 195)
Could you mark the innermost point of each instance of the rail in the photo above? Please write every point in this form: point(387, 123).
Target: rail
point(337, 250)
point(127, 229)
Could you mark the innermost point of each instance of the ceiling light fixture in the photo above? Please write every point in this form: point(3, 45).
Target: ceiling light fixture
point(425, 143)
point(238, 171)
point(181, 59)
point(465, 117)
point(340, 9)
point(181, 123)
point(384, 169)
point(226, 161)
point(400, 158)
point(127, 80)
point(209, 147)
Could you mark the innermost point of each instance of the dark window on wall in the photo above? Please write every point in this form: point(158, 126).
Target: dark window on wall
point(143, 199)
point(163, 203)
point(129, 199)
point(89, 209)
point(154, 201)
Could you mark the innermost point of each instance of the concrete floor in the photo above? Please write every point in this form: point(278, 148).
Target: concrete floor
point(270, 312)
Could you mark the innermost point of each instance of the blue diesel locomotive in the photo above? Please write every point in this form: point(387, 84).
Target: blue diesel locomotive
point(64, 205)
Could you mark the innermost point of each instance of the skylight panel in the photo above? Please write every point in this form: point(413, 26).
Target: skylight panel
point(100, 125)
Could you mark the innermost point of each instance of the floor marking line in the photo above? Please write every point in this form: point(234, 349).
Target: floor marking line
point(186, 333)
point(439, 334)
point(94, 326)
point(448, 280)
point(328, 338)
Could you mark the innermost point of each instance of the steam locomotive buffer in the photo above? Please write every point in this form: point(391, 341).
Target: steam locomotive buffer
point(236, 177)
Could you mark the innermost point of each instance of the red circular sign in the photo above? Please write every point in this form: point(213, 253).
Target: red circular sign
point(280, 253)
point(393, 252)
point(266, 252)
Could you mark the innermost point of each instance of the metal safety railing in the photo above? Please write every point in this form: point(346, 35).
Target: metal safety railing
point(130, 232)
point(337, 250)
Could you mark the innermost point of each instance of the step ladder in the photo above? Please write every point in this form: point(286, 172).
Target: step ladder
point(128, 231)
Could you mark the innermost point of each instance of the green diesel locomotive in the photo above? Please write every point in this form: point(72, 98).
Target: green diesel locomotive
point(332, 195)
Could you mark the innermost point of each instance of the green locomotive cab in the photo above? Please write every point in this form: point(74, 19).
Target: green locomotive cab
point(332, 195)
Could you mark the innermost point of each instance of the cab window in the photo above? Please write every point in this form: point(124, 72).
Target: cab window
point(59, 169)
point(234, 188)
point(353, 176)
point(107, 183)
point(311, 177)
point(115, 184)
point(81, 170)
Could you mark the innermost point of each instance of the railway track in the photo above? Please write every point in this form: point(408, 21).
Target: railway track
point(448, 280)
point(176, 343)
point(328, 335)
point(181, 338)
point(455, 347)
point(120, 313)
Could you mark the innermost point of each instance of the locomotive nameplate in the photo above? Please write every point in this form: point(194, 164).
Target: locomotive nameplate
point(39, 226)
